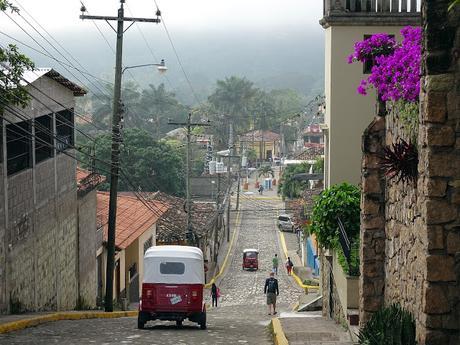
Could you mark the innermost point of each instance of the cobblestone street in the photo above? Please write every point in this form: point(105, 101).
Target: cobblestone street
point(241, 317)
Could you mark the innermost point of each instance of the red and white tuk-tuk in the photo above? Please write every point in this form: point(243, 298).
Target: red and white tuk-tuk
point(172, 288)
point(250, 259)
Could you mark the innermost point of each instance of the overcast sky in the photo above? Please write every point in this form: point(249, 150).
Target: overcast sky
point(215, 38)
point(62, 15)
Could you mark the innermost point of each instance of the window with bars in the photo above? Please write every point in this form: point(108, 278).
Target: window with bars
point(64, 130)
point(43, 138)
point(18, 146)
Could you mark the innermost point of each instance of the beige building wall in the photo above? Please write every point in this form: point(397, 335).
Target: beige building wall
point(347, 112)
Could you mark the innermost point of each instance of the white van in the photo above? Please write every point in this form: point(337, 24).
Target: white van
point(285, 223)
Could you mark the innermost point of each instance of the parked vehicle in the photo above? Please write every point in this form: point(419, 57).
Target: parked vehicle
point(285, 223)
point(172, 288)
point(251, 259)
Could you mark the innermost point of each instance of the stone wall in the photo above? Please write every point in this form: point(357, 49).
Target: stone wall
point(332, 306)
point(418, 224)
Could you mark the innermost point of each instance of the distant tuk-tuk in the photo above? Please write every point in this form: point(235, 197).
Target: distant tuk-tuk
point(250, 259)
point(172, 288)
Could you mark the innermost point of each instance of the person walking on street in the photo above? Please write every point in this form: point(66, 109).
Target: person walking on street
point(261, 189)
point(215, 294)
point(275, 262)
point(289, 266)
point(271, 290)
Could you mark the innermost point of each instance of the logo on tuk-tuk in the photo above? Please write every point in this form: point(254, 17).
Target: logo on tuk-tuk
point(175, 299)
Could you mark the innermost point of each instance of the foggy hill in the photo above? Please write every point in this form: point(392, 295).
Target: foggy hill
point(272, 60)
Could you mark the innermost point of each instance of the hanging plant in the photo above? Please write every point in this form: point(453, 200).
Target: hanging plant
point(400, 160)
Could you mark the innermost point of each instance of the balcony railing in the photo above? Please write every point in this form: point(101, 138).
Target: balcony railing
point(371, 6)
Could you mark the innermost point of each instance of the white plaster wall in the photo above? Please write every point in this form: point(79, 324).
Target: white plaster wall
point(347, 112)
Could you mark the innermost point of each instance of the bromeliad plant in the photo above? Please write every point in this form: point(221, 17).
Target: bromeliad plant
point(400, 160)
point(389, 326)
point(396, 66)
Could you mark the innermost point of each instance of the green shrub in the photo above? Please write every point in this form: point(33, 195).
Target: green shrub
point(389, 326)
point(341, 200)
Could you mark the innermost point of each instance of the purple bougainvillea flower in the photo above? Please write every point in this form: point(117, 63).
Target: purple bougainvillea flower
point(396, 71)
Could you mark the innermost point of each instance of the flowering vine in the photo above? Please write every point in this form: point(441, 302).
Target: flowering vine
point(396, 66)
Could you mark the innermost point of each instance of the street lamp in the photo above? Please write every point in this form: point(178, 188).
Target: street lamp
point(161, 67)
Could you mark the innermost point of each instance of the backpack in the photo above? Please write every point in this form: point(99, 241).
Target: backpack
point(271, 287)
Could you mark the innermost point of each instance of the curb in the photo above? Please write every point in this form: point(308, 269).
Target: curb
point(279, 338)
point(230, 247)
point(35, 321)
point(296, 278)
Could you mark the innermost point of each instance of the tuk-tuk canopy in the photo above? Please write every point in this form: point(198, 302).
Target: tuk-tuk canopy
point(251, 250)
point(173, 265)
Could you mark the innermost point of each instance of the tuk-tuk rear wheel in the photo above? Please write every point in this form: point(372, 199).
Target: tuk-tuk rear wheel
point(140, 324)
point(179, 323)
point(203, 321)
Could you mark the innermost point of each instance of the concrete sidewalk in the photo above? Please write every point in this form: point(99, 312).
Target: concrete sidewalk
point(9, 323)
point(311, 328)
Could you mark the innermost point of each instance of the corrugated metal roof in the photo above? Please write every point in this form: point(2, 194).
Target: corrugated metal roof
point(31, 76)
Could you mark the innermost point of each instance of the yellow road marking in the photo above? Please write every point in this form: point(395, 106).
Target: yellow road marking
point(37, 320)
point(296, 278)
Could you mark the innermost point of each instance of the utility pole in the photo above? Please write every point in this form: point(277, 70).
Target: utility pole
point(238, 186)
point(188, 206)
point(229, 181)
point(217, 225)
point(116, 139)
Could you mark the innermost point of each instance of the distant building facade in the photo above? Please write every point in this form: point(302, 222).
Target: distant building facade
point(265, 143)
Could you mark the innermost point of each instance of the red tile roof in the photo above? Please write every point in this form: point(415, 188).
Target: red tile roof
point(134, 217)
point(87, 180)
point(258, 135)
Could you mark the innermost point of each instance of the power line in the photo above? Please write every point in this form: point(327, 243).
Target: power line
point(149, 48)
point(52, 99)
point(59, 44)
point(55, 59)
point(41, 46)
point(177, 57)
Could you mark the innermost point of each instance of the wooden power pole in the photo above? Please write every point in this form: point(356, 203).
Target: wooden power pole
point(116, 139)
point(189, 125)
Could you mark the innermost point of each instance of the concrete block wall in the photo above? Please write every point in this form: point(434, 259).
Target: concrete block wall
point(87, 246)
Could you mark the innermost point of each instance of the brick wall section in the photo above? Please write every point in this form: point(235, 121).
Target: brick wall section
point(422, 220)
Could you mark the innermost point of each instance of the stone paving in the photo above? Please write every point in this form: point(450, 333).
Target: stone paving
point(241, 317)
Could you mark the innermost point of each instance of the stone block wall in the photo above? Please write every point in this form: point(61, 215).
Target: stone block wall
point(332, 306)
point(418, 224)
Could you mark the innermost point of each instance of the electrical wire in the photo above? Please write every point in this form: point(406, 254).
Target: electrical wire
point(178, 59)
point(46, 50)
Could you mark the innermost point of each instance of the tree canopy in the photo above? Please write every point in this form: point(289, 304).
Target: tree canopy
point(149, 164)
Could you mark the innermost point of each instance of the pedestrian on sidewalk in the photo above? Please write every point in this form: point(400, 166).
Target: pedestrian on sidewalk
point(275, 262)
point(289, 266)
point(271, 290)
point(215, 294)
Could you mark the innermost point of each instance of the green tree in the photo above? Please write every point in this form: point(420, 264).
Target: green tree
point(156, 106)
point(13, 66)
point(266, 171)
point(149, 164)
point(289, 186)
